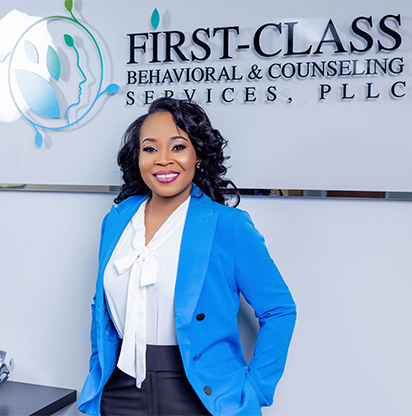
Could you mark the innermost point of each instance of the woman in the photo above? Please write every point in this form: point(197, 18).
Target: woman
point(173, 260)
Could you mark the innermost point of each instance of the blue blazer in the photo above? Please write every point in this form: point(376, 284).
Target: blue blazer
point(221, 255)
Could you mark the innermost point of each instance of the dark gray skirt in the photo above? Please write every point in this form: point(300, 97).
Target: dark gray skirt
point(165, 391)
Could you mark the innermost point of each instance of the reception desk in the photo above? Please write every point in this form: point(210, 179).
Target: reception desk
point(22, 399)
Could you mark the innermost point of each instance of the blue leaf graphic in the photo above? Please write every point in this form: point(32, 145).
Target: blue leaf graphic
point(38, 93)
point(112, 88)
point(53, 63)
point(155, 19)
point(31, 52)
point(38, 139)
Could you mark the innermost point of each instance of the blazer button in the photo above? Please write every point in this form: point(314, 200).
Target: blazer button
point(200, 316)
point(208, 390)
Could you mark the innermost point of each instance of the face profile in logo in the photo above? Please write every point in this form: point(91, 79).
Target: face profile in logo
point(54, 85)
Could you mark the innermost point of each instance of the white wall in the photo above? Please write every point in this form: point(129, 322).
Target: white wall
point(347, 264)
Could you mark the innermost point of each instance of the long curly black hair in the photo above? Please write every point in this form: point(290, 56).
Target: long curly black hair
point(207, 141)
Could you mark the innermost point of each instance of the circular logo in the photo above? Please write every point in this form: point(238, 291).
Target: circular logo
point(56, 73)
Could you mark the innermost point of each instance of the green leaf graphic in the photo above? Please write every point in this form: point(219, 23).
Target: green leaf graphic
point(155, 19)
point(69, 5)
point(69, 40)
point(53, 63)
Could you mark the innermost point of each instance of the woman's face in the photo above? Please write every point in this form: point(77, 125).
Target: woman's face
point(167, 158)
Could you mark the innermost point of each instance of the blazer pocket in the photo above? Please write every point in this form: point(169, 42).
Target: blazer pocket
point(223, 366)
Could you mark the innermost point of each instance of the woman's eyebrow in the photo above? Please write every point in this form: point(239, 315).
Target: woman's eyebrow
point(149, 139)
point(178, 137)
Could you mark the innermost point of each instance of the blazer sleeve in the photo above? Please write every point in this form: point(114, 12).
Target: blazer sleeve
point(263, 287)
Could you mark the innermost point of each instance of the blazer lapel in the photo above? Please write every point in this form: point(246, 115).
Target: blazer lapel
point(117, 221)
point(197, 240)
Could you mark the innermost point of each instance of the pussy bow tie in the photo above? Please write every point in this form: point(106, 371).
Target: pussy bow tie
point(143, 263)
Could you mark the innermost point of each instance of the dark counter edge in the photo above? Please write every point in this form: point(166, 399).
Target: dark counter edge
point(66, 397)
point(58, 405)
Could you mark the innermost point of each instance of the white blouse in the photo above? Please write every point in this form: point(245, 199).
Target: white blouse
point(139, 283)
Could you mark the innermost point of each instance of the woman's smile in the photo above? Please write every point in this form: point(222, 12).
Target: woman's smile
point(166, 177)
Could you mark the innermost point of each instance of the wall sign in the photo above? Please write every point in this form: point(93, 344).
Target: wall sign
point(310, 95)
